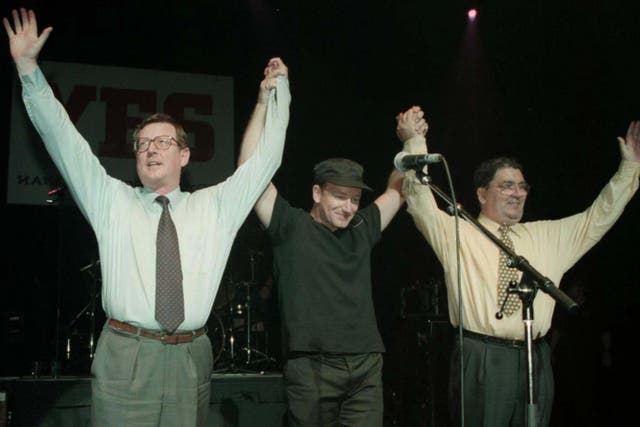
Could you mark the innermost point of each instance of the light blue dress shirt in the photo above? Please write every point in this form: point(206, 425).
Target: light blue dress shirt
point(125, 219)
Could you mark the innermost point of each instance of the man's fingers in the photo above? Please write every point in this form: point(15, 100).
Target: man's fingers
point(16, 21)
point(45, 35)
point(7, 27)
point(633, 131)
point(25, 19)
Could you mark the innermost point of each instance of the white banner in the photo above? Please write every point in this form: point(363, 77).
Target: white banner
point(106, 104)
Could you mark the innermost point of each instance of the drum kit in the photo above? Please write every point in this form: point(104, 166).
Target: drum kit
point(242, 325)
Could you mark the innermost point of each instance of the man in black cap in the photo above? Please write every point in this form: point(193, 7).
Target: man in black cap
point(322, 267)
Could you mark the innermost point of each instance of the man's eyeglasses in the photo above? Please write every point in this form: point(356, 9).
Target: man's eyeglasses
point(162, 142)
point(508, 188)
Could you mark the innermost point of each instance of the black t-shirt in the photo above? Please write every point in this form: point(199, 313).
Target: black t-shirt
point(324, 281)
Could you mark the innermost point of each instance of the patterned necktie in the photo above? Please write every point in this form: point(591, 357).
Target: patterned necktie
point(506, 275)
point(169, 298)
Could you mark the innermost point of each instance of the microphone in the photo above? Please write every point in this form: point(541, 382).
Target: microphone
point(405, 161)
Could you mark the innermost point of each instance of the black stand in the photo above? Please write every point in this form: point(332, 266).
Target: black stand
point(529, 284)
point(248, 350)
point(227, 337)
point(232, 367)
point(56, 199)
point(248, 307)
point(89, 310)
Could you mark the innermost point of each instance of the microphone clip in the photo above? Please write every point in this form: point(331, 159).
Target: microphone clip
point(424, 178)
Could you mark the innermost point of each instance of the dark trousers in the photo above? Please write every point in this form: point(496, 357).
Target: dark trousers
point(334, 390)
point(495, 378)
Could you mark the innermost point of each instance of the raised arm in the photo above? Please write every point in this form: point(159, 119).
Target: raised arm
point(254, 128)
point(390, 201)
point(410, 123)
point(253, 131)
point(24, 42)
point(86, 179)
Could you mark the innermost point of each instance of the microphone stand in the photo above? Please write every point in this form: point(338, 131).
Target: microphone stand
point(530, 283)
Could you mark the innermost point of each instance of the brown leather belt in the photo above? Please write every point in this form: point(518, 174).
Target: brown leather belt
point(165, 338)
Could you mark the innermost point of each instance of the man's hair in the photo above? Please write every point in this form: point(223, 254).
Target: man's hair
point(181, 135)
point(487, 170)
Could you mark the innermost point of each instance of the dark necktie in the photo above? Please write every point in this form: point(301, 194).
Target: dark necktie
point(506, 275)
point(169, 297)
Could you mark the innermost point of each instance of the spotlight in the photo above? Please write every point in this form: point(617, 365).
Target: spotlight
point(472, 13)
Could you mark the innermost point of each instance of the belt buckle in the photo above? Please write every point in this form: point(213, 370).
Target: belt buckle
point(517, 343)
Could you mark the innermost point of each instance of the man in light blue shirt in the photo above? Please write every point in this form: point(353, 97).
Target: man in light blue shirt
point(142, 373)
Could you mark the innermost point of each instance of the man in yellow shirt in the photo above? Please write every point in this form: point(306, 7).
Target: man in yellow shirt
point(494, 364)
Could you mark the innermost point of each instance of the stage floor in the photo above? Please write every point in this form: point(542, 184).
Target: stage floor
point(237, 399)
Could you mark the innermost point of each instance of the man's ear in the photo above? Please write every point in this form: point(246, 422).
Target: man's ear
point(316, 193)
point(185, 154)
point(481, 193)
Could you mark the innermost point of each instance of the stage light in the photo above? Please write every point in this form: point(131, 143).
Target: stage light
point(472, 14)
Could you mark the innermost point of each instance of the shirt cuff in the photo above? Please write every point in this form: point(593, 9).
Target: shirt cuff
point(415, 145)
point(33, 80)
point(628, 167)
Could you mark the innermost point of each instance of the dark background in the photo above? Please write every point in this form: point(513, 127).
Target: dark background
point(550, 82)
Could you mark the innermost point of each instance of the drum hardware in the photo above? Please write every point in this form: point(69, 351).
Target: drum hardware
point(56, 195)
point(251, 328)
point(242, 326)
point(92, 270)
point(228, 342)
point(217, 336)
point(248, 349)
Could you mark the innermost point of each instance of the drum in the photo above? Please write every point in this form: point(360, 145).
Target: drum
point(217, 335)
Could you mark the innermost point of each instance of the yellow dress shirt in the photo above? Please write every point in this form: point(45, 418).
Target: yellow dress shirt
point(551, 247)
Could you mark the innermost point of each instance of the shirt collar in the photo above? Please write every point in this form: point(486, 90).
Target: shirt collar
point(149, 197)
point(493, 226)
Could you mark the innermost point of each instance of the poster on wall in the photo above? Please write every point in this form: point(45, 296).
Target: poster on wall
point(105, 104)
